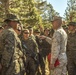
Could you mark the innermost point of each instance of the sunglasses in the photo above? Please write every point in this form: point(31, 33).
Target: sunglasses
point(19, 30)
point(26, 32)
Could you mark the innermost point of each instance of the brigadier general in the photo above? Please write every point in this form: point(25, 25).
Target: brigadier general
point(58, 51)
point(58, 60)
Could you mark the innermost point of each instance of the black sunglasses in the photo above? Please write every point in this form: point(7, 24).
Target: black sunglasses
point(26, 32)
point(19, 30)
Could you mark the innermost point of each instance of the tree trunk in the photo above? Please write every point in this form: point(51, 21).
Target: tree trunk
point(6, 6)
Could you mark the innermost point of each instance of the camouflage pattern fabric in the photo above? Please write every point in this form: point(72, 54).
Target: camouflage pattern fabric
point(32, 50)
point(58, 51)
point(71, 53)
point(11, 60)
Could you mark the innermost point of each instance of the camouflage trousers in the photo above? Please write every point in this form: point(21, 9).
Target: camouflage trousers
point(71, 66)
point(59, 70)
point(15, 68)
point(31, 66)
point(4, 72)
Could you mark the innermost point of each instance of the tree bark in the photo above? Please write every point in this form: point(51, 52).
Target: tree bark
point(6, 6)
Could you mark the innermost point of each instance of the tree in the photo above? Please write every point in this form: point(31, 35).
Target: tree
point(47, 13)
point(70, 10)
point(4, 9)
point(37, 13)
point(5, 5)
point(26, 10)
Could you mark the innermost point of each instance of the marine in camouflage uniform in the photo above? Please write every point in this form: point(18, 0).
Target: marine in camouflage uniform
point(31, 32)
point(11, 51)
point(71, 49)
point(31, 48)
point(58, 50)
point(45, 49)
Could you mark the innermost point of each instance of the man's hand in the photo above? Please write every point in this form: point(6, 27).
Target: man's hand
point(42, 37)
point(52, 66)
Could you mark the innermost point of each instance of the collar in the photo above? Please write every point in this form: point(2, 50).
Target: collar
point(58, 28)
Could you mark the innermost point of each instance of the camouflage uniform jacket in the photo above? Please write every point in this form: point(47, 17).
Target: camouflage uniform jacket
point(10, 50)
point(58, 50)
point(31, 45)
point(71, 45)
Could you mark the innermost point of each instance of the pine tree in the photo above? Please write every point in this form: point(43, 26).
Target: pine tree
point(71, 10)
point(37, 13)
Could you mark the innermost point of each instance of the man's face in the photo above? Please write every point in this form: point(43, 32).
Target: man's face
point(71, 27)
point(46, 32)
point(55, 24)
point(14, 24)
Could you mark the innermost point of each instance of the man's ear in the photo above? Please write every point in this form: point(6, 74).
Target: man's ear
point(75, 27)
point(13, 26)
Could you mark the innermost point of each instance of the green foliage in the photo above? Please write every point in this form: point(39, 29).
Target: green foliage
point(70, 12)
point(36, 13)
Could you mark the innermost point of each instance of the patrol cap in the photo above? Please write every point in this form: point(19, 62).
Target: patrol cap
point(47, 29)
point(72, 24)
point(30, 28)
point(26, 31)
point(56, 18)
point(4, 24)
point(11, 17)
point(65, 26)
point(1, 27)
point(37, 31)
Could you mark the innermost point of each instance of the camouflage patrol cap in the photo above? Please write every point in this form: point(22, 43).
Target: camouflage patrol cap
point(11, 17)
point(4, 24)
point(30, 28)
point(72, 24)
point(37, 31)
point(65, 26)
point(1, 27)
point(46, 29)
